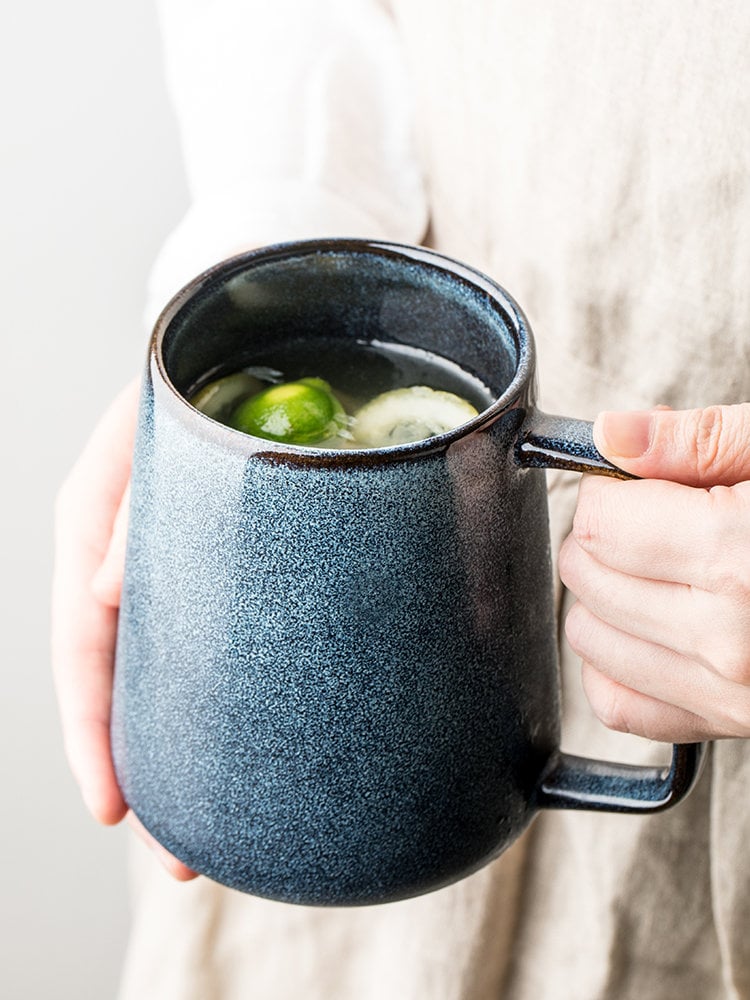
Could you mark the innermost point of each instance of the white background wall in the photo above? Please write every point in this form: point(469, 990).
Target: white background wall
point(90, 184)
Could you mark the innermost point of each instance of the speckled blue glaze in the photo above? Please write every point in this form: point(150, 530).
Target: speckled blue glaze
point(336, 676)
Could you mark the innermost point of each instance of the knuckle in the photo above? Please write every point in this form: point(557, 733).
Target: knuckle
point(733, 664)
point(708, 434)
point(567, 562)
point(733, 715)
point(607, 700)
point(576, 628)
point(720, 635)
point(725, 533)
point(587, 520)
point(583, 527)
point(720, 638)
point(712, 439)
point(573, 630)
point(611, 712)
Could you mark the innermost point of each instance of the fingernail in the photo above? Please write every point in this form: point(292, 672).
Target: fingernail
point(626, 434)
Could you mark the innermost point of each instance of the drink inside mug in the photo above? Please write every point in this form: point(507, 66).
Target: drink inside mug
point(346, 348)
point(344, 394)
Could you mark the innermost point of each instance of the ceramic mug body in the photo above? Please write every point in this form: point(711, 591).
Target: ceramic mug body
point(336, 675)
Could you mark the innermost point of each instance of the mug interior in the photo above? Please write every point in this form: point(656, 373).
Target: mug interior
point(243, 311)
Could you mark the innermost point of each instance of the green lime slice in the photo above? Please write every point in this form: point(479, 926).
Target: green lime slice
point(303, 412)
point(412, 414)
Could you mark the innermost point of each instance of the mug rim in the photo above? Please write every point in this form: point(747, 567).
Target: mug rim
point(276, 451)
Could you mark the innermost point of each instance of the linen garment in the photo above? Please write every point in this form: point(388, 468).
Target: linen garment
point(594, 158)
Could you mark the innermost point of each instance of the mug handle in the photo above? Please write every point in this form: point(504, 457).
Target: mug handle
point(546, 441)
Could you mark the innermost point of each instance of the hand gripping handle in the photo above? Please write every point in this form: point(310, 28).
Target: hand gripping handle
point(551, 442)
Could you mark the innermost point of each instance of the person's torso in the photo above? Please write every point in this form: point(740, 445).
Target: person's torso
point(595, 159)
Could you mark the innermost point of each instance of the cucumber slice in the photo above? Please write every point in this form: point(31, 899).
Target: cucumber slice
point(218, 399)
point(412, 414)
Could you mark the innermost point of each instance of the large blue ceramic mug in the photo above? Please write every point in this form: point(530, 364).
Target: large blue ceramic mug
point(337, 678)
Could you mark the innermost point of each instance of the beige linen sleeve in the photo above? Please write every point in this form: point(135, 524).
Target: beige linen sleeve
point(295, 120)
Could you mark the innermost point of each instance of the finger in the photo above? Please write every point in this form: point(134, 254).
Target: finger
point(110, 449)
point(175, 867)
point(628, 711)
point(660, 673)
point(83, 628)
point(83, 634)
point(664, 531)
point(713, 629)
point(702, 447)
point(107, 582)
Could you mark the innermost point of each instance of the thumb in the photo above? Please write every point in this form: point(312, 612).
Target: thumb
point(707, 447)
